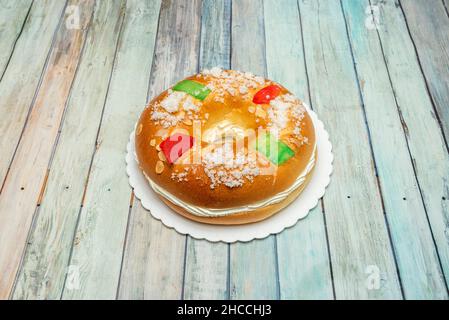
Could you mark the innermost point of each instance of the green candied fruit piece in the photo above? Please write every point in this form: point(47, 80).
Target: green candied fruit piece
point(278, 153)
point(195, 89)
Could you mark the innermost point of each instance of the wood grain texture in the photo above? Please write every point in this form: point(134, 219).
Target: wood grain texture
point(159, 271)
point(206, 267)
point(215, 34)
point(19, 82)
point(422, 129)
point(253, 270)
point(429, 26)
point(358, 237)
point(304, 270)
point(47, 255)
point(412, 238)
point(28, 171)
point(12, 19)
point(69, 99)
point(100, 235)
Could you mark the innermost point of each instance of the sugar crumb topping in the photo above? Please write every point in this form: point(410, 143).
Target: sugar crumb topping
point(180, 176)
point(223, 166)
point(283, 109)
point(172, 101)
point(177, 106)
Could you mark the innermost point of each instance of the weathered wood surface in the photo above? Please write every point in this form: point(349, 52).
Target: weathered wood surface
point(159, 271)
point(358, 235)
point(404, 208)
point(13, 16)
point(70, 98)
point(422, 129)
point(21, 78)
point(304, 269)
point(428, 24)
point(431, 40)
point(100, 235)
point(28, 171)
point(47, 256)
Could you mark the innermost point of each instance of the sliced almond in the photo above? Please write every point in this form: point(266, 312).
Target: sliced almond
point(159, 167)
point(161, 156)
point(187, 122)
point(152, 142)
point(260, 113)
point(251, 109)
point(139, 129)
point(158, 147)
point(179, 131)
point(262, 161)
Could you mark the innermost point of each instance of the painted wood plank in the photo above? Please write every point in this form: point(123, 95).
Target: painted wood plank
point(423, 133)
point(206, 268)
point(429, 26)
point(23, 74)
point(12, 19)
point(304, 269)
point(215, 34)
point(100, 235)
point(418, 262)
point(253, 270)
point(358, 237)
point(158, 272)
point(28, 171)
point(45, 263)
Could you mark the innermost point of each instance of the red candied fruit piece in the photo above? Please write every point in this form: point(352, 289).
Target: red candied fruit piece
point(175, 146)
point(266, 94)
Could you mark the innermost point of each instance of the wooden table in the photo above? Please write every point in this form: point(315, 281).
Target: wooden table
point(74, 77)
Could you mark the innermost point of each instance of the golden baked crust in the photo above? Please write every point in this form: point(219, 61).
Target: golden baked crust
point(243, 217)
point(229, 105)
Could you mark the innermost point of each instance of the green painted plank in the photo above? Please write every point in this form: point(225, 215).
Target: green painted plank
point(423, 133)
point(304, 270)
point(207, 263)
point(412, 238)
point(100, 236)
point(22, 76)
point(13, 15)
point(158, 272)
point(358, 236)
point(28, 171)
point(47, 255)
point(253, 273)
point(429, 27)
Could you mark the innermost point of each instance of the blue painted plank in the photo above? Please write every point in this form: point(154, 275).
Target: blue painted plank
point(363, 264)
point(428, 23)
point(423, 133)
point(304, 269)
point(416, 255)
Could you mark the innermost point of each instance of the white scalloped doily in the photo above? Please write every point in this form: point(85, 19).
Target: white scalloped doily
point(286, 218)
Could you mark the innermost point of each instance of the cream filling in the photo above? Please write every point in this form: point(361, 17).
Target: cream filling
point(208, 212)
